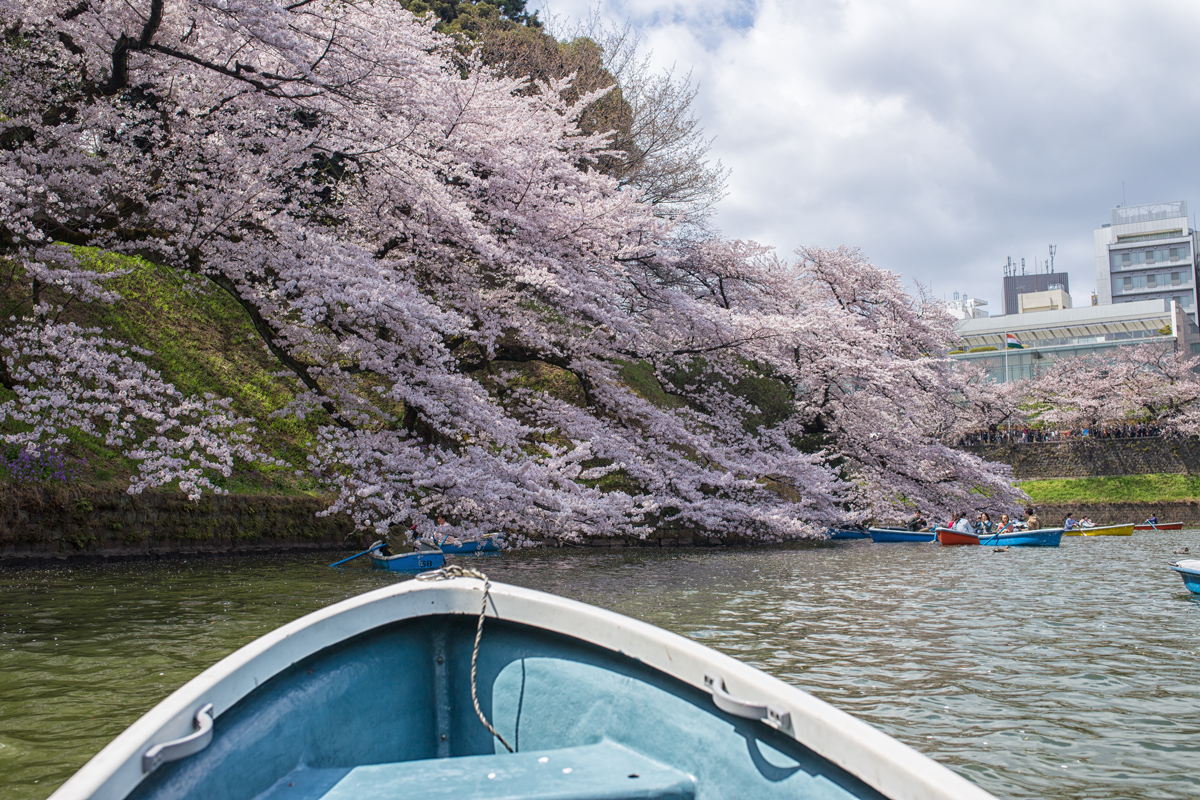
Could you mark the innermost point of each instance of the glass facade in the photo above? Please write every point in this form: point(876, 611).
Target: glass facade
point(1154, 285)
point(1140, 259)
point(1031, 363)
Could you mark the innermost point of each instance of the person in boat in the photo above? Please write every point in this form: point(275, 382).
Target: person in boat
point(1153, 520)
point(1005, 525)
point(960, 523)
point(918, 523)
point(443, 537)
point(1086, 522)
point(1031, 519)
point(984, 524)
point(1070, 523)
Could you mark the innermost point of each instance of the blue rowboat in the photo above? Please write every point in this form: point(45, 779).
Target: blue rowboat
point(489, 544)
point(420, 560)
point(900, 535)
point(1042, 537)
point(371, 698)
point(1189, 570)
point(847, 533)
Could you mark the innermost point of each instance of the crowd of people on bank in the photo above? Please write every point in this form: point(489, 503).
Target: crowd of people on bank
point(1029, 435)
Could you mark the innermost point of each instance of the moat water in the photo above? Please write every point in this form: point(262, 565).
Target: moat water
point(1037, 673)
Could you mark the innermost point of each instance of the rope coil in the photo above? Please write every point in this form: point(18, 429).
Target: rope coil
point(455, 571)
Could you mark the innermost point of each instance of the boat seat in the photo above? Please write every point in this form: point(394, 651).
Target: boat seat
point(604, 771)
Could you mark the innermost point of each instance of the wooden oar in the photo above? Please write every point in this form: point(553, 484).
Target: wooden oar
point(370, 549)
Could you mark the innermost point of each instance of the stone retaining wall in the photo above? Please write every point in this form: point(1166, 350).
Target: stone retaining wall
point(41, 526)
point(1087, 458)
point(1187, 512)
point(86, 523)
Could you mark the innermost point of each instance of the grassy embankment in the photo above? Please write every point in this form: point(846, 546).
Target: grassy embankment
point(1153, 488)
point(203, 343)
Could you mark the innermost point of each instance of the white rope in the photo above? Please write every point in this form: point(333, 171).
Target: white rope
point(455, 571)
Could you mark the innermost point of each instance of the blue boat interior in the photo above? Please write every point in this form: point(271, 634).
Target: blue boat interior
point(388, 714)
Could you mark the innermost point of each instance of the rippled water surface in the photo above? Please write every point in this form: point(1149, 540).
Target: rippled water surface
point(1057, 673)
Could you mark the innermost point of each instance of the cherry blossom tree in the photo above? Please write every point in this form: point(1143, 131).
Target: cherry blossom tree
point(406, 229)
point(984, 404)
point(1151, 383)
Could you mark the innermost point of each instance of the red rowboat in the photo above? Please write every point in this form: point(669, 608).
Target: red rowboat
point(947, 536)
point(1162, 526)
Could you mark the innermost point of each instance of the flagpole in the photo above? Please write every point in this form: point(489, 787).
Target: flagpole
point(1007, 376)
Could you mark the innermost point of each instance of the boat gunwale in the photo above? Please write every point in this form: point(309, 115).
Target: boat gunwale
point(992, 539)
point(1091, 530)
point(891, 767)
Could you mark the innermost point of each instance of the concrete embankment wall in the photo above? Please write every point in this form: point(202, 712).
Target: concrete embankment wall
point(42, 525)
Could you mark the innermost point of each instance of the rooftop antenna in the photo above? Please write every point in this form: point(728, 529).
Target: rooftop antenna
point(1122, 193)
point(1022, 266)
point(1053, 248)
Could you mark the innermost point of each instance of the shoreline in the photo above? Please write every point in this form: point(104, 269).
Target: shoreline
point(40, 527)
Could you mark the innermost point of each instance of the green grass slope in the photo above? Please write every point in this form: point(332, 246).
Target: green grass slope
point(1152, 488)
point(203, 343)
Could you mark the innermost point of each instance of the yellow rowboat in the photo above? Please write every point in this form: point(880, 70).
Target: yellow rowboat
point(1102, 530)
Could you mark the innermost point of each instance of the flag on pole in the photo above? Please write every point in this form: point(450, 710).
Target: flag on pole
point(1012, 342)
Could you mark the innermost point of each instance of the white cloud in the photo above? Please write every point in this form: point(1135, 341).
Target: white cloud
point(941, 136)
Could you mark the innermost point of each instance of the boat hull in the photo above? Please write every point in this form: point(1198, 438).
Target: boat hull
point(1190, 572)
point(1162, 526)
point(371, 698)
point(1103, 530)
point(418, 561)
point(946, 536)
point(893, 535)
point(481, 546)
point(848, 533)
point(1042, 537)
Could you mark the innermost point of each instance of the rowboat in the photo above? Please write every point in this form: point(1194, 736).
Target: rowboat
point(1161, 526)
point(900, 535)
point(1189, 570)
point(425, 557)
point(373, 698)
point(1042, 537)
point(948, 536)
point(847, 533)
point(1102, 530)
point(488, 544)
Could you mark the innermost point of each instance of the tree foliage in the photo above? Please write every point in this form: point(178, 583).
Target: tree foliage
point(406, 227)
point(1150, 384)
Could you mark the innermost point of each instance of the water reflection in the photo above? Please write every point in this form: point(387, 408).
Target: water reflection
point(1066, 672)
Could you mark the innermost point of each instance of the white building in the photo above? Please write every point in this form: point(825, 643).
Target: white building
point(963, 307)
point(1043, 336)
point(1053, 299)
point(1147, 252)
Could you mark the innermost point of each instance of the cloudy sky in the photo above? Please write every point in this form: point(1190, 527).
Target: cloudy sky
point(940, 136)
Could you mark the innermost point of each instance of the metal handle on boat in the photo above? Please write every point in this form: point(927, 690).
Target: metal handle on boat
point(181, 748)
point(744, 708)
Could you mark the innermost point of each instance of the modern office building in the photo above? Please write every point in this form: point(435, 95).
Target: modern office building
point(1040, 337)
point(1147, 252)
